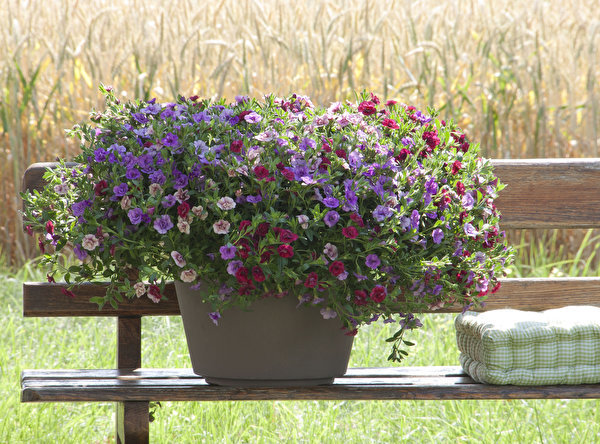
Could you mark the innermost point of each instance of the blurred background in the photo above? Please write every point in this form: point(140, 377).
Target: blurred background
point(522, 78)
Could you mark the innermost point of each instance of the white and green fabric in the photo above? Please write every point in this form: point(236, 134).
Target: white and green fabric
point(560, 346)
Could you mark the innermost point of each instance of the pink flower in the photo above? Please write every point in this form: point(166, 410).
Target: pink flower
point(178, 258)
point(221, 227)
point(226, 203)
point(188, 275)
point(90, 242)
point(140, 289)
point(330, 251)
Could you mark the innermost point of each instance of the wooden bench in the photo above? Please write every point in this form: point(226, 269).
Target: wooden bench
point(541, 194)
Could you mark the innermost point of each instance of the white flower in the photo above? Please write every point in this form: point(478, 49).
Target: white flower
point(181, 195)
point(328, 313)
point(197, 211)
point(140, 289)
point(62, 188)
point(331, 251)
point(90, 242)
point(226, 203)
point(126, 203)
point(221, 226)
point(303, 220)
point(155, 189)
point(178, 258)
point(188, 275)
point(183, 225)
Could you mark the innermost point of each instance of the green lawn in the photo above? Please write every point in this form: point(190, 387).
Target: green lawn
point(81, 343)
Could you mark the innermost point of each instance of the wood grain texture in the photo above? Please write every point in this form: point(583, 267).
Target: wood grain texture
point(132, 426)
point(422, 383)
point(129, 342)
point(549, 193)
point(44, 299)
point(540, 193)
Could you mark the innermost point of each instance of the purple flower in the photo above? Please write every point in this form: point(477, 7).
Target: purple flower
point(468, 201)
point(381, 213)
point(254, 199)
point(168, 201)
point(431, 186)
point(157, 177)
point(120, 190)
point(133, 174)
point(152, 108)
point(372, 261)
point(170, 140)
point(470, 230)
point(80, 252)
point(140, 118)
point(135, 215)
point(307, 143)
point(331, 218)
point(407, 141)
point(437, 235)
point(163, 224)
point(414, 220)
point(227, 252)
point(331, 202)
point(100, 155)
point(181, 180)
point(215, 316)
point(233, 267)
point(252, 117)
point(78, 208)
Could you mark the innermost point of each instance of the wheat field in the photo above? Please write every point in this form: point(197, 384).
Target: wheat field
point(522, 78)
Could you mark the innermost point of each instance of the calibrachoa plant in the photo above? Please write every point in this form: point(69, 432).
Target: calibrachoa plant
point(366, 211)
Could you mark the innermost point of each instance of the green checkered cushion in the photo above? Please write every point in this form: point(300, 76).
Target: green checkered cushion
point(560, 346)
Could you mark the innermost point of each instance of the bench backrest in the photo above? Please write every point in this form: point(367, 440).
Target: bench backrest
point(540, 194)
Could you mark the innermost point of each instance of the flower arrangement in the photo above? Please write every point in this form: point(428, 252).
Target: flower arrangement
point(364, 210)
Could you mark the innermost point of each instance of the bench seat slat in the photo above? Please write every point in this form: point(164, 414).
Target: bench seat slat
point(418, 383)
point(44, 299)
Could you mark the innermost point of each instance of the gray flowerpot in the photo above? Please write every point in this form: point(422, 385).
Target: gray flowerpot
point(274, 344)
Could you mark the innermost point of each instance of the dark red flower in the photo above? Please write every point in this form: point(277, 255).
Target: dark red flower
point(287, 236)
point(390, 103)
point(29, 230)
point(262, 229)
point(41, 245)
point(100, 187)
point(236, 146)
point(288, 174)
point(404, 153)
point(311, 280)
point(241, 275)
point(49, 227)
point(336, 268)
point(350, 232)
point(154, 293)
point(285, 251)
point(183, 210)
point(50, 278)
point(357, 219)
point(244, 226)
point(68, 293)
point(375, 99)
point(360, 297)
point(340, 153)
point(265, 256)
point(378, 294)
point(496, 287)
point(367, 108)
point(460, 188)
point(431, 138)
point(456, 166)
point(261, 172)
point(390, 123)
point(326, 147)
point(257, 274)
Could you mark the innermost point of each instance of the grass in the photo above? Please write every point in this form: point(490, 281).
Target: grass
point(520, 77)
point(90, 343)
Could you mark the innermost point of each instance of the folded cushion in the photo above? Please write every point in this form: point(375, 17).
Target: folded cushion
point(559, 346)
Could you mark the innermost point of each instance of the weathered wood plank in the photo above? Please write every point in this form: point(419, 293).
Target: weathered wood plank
point(535, 197)
point(129, 342)
point(44, 299)
point(449, 383)
point(549, 193)
point(132, 425)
